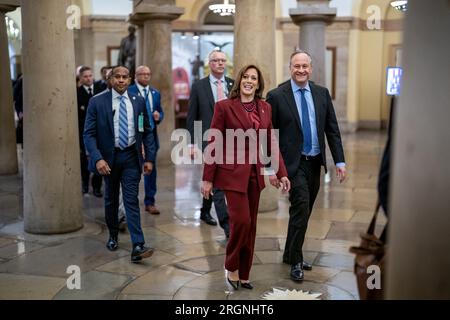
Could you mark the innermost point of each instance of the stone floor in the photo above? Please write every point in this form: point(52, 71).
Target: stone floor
point(189, 257)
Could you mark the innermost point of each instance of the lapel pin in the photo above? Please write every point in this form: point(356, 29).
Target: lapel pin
point(134, 98)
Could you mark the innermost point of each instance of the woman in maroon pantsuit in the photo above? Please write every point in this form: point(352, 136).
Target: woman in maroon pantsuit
point(241, 177)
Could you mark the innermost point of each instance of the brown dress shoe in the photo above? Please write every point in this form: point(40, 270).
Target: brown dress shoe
point(152, 209)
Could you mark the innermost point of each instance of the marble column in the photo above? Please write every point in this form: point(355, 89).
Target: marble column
point(313, 16)
point(51, 178)
point(254, 39)
point(419, 224)
point(156, 52)
point(8, 147)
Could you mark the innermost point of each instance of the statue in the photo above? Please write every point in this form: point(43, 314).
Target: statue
point(196, 65)
point(127, 53)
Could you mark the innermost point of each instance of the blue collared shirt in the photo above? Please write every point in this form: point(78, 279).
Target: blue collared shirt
point(130, 115)
point(315, 150)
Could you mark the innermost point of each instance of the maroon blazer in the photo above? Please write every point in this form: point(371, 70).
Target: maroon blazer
point(230, 114)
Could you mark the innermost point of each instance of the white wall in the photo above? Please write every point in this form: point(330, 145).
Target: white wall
point(108, 7)
point(344, 7)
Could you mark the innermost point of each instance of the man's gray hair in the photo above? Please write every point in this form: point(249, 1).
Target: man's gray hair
point(298, 51)
point(214, 51)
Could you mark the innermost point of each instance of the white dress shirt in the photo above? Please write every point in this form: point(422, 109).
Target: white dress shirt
point(130, 115)
point(150, 96)
point(87, 89)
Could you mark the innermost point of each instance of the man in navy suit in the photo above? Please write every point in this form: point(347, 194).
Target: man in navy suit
point(156, 115)
point(115, 130)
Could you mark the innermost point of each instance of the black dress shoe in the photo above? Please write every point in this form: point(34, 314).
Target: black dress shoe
point(141, 252)
point(112, 244)
point(98, 193)
point(297, 272)
point(234, 284)
point(246, 285)
point(208, 219)
point(307, 266)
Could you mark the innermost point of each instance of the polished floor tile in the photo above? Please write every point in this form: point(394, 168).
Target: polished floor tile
point(95, 285)
point(29, 287)
point(163, 281)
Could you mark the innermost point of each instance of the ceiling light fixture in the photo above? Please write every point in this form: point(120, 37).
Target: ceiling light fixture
point(224, 9)
point(401, 5)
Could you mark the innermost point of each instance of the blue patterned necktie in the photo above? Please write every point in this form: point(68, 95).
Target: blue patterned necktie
point(149, 110)
point(123, 124)
point(306, 126)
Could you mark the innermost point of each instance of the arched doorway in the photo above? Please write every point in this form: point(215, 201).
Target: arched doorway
point(190, 48)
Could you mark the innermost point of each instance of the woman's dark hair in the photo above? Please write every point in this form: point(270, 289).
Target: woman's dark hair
point(236, 90)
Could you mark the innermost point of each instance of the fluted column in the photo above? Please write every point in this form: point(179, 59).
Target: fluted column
point(8, 147)
point(156, 52)
point(51, 178)
point(313, 16)
point(254, 39)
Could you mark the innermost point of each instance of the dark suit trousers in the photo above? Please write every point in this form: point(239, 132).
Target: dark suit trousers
point(85, 174)
point(243, 210)
point(304, 188)
point(125, 172)
point(221, 207)
point(150, 187)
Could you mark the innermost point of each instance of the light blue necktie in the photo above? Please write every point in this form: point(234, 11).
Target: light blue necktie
point(123, 124)
point(149, 110)
point(306, 125)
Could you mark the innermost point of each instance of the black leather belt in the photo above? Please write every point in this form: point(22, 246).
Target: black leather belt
point(126, 149)
point(310, 158)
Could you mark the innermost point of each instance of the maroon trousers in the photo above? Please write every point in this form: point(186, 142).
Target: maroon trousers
point(242, 212)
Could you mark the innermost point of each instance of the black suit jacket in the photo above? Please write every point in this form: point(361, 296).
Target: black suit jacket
point(285, 117)
point(82, 103)
point(201, 105)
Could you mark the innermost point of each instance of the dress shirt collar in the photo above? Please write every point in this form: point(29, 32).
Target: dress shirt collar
point(141, 87)
point(87, 88)
point(214, 79)
point(115, 94)
point(296, 87)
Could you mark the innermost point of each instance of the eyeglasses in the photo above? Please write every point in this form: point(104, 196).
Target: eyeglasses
point(218, 60)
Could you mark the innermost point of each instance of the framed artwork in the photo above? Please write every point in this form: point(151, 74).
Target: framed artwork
point(113, 55)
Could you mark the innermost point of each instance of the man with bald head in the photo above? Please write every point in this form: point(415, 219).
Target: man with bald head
point(152, 99)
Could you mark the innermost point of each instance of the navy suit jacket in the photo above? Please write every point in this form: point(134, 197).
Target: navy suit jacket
point(99, 130)
point(156, 97)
